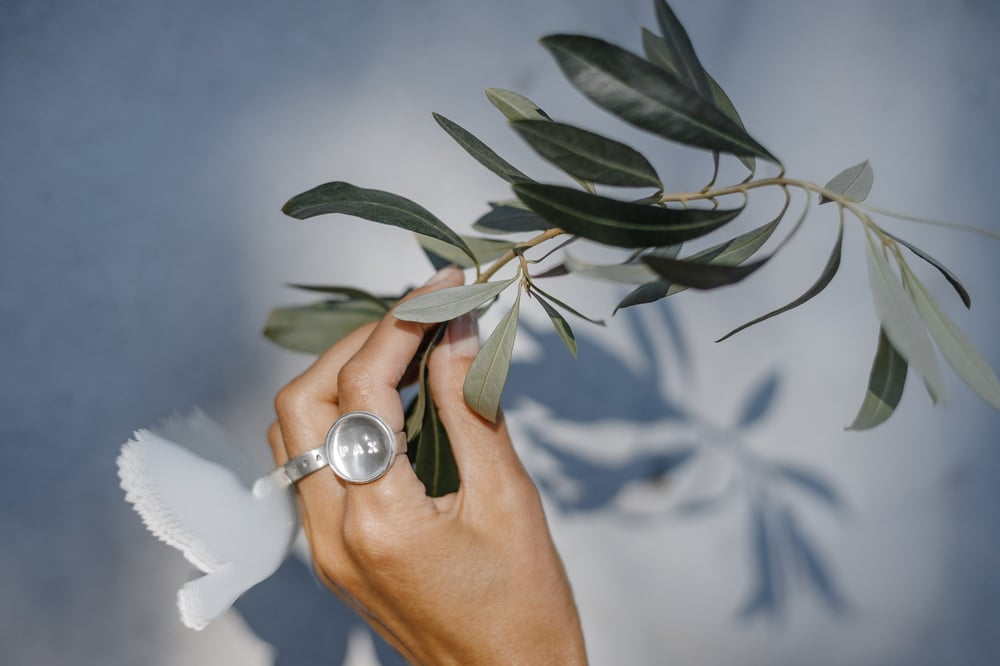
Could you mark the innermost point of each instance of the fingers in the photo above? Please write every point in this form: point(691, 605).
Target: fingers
point(369, 381)
point(483, 450)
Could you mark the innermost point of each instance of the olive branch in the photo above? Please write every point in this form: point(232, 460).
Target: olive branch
point(669, 94)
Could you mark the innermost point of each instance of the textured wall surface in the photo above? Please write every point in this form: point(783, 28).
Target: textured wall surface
point(145, 149)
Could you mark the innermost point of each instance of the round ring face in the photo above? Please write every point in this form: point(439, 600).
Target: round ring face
point(360, 447)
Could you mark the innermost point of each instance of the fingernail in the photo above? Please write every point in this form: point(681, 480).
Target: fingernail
point(442, 274)
point(463, 335)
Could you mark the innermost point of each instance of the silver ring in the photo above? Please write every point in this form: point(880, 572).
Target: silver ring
point(359, 448)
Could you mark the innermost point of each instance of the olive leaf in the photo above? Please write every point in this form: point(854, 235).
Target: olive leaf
point(446, 304)
point(619, 223)
point(659, 53)
point(488, 373)
point(515, 106)
point(506, 219)
point(853, 183)
point(631, 272)
point(480, 151)
point(559, 323)
point(648, 96)
point(484, 249)
point(948, 275)
point(698, 275)
point(588, 155)
point(902, 323)
point(565, 306)
point(385, 303)
point(415, 411)
point(955, 346)
point(434, 461)
point(372, 205)
point(829, 271)
point(680, 50)
point(314, 328)
point(885, 386)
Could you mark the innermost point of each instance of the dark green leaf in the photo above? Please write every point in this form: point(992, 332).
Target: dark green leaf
point(682, 55)
point(648, 96)
point(699, 275)
point(510, 219)
point(560, 324)
point(565, 306)
point(619, 223)
point(488, 373)
point(829, 271)
point(480, 151)
point(885, 386)
point(415, 412)
point(350, 292)
point(645, 293)
point(515, 106)
point(955, 346)
point(658, 52)
point(485, 250)
point(733, 251)
point(587, 155)
point(853, 184)
point(446, 304)
point(948, 275)
point(314, 328)
point(373, 205)
point(434, 462)
point(901, 320)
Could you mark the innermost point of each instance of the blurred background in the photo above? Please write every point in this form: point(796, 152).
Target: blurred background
point(708, 503)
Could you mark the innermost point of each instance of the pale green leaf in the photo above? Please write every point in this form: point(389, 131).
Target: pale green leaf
point(480, 151)
point(314, 328)
point(885, 386)
point(588, 155)
point(955, 346)
point(901, 321)
point(559, 323)
point(373, 205)
point(354, 292)
point(488, 373)
point(446, 304)
point(484, 249)
point(515, 106)
point(627, 273)
point(853, 183)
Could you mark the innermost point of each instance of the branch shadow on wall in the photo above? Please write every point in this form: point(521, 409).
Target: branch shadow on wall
point(677, 440)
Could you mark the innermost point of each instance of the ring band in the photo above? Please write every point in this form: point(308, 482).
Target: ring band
point(359, 448)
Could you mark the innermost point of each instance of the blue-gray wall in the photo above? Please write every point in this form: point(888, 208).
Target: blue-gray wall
point(145, 149)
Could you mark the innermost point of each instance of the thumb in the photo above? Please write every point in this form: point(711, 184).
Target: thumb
point(483, 451)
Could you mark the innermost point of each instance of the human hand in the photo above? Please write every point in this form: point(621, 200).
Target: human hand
point(469, 578)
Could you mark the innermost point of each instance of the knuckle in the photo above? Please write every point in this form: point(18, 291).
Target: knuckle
point(355, 379)
point(367, 542)
point(290, 398)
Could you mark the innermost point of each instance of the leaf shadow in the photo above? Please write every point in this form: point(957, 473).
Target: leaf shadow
point(781, 553)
